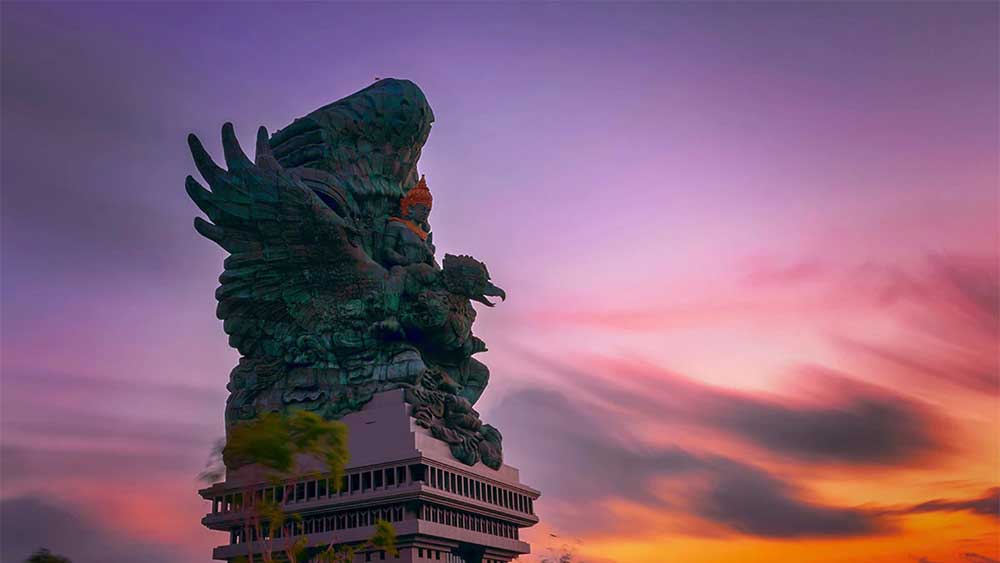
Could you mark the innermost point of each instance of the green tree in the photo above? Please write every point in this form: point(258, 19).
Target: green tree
point(45, 556)
point(275, 441)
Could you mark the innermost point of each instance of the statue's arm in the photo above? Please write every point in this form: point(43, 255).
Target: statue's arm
point(389, 252)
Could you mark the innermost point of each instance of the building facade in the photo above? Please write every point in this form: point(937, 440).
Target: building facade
point(441, 509)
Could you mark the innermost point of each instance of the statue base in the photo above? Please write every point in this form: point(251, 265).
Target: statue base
point(442, 510)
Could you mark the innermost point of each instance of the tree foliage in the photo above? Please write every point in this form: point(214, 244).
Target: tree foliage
point(275, 441)
point(562, 554)
point(45, 556)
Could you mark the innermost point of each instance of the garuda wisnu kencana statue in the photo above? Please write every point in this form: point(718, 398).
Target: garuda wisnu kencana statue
point(331, 292)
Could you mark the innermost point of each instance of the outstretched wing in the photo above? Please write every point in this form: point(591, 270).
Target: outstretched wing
point(287, 248)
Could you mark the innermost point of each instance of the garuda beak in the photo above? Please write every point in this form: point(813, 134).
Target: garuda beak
point(490, 291)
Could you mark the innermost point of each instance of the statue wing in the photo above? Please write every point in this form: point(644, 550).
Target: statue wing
point(287, 247)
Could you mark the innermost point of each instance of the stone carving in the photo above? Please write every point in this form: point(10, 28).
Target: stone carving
point(331, 291)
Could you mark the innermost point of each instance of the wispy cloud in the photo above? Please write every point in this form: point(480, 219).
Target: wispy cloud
point(949, 314)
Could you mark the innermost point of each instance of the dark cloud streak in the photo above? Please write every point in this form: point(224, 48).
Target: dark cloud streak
point(988, 504)
point(859, 424)
point(27, 523)
point(756, 503)
point(576, 454)
point(868, 426)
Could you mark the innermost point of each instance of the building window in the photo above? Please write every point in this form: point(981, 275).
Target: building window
point(417, 472)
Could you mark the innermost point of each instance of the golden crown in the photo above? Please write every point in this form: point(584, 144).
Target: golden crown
point(418, 194)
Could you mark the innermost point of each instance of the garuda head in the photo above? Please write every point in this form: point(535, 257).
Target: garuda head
point(466, 276)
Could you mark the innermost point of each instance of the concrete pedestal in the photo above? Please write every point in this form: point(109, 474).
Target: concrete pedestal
point(442, 509)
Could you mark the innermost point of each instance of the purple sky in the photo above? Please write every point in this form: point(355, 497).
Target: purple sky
point(749, 197)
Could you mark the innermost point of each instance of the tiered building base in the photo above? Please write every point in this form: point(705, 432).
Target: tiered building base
point(442, 510)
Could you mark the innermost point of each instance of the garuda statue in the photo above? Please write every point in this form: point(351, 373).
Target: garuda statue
point(331, 292)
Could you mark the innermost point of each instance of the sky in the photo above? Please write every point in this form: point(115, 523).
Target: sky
point(750, 252)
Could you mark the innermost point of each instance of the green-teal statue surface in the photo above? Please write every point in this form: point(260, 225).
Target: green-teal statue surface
point(331, 290)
